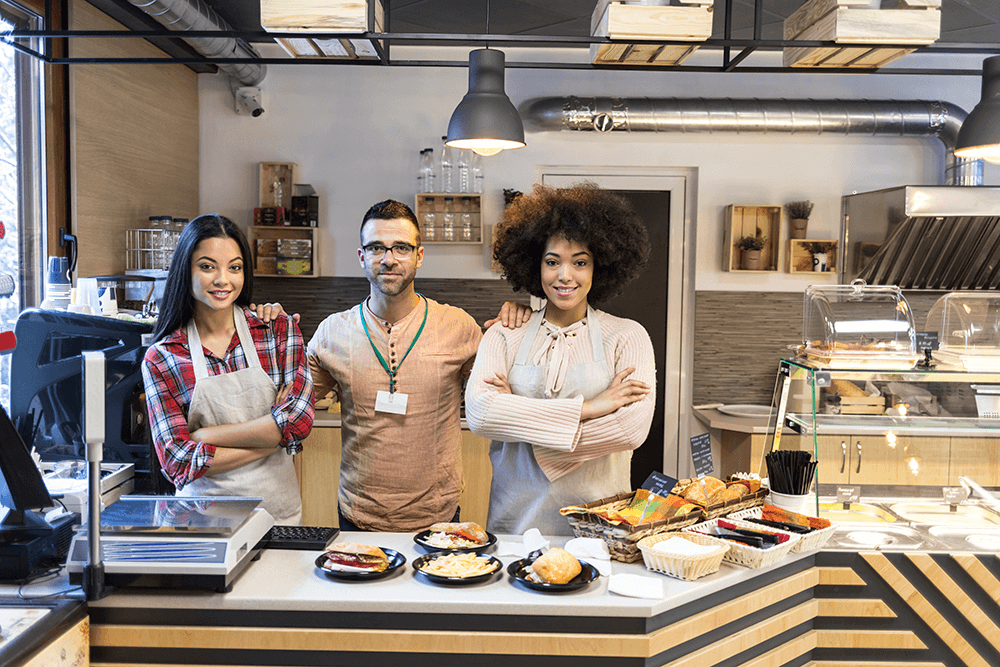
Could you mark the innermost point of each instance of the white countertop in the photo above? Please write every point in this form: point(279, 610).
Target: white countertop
point(289, 581)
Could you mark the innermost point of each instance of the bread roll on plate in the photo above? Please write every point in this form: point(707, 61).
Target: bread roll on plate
point(555, 566)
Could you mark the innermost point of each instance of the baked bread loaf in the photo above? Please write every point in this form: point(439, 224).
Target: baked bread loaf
point(707, 493)
point(555, 566)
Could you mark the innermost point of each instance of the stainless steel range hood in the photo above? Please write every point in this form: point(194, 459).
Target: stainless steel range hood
point(923, 237)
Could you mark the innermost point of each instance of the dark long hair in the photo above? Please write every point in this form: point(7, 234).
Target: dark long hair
point(177, 308)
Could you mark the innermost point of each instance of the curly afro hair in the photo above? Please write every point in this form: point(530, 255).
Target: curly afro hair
point(584, 213)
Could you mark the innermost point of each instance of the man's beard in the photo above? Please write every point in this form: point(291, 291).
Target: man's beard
point(387, 287)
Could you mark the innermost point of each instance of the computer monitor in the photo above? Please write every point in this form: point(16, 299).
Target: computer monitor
point(22, 488)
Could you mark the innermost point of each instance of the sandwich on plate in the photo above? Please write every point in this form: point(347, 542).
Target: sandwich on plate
point(555, 566)
point(457, 535)
point(353, 557)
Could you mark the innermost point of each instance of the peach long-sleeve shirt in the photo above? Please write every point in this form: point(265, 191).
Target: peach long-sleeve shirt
point(562, 441)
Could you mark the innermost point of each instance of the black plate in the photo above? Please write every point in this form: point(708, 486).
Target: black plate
point(421, 539)
point(396, 560)
point(587, 575)
point(438, 579)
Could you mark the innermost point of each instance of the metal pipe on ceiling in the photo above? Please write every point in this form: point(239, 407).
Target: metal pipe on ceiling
point(196, 15)
point(902, 118)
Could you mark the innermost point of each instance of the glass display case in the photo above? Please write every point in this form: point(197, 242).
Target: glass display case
point(968, 329)
point(857, 325)
point(889, 432)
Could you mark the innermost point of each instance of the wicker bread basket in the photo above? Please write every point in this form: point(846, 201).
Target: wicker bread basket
point(623, 540)
point(716, 510)
point(681, 566)
point(745, 555)
point(809, 541)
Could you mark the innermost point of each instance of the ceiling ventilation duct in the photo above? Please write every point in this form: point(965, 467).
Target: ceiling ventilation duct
point(900, 118)
point(196, 15)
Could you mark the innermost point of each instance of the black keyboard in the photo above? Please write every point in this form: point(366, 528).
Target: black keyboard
point(304, 538)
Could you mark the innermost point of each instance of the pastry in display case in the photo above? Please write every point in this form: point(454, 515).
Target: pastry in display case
point(858, 326)
point(968, 329)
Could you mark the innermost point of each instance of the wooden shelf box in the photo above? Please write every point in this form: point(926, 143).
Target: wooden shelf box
point(325, 16)
point(691, 23)
point(800, 259)
point(910, 24)
point(751, 221)
point(437, 204)
point(269, 173)
point(290, 252)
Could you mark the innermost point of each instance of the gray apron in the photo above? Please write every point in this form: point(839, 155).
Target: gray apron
point(521, 496)
point(233, 398)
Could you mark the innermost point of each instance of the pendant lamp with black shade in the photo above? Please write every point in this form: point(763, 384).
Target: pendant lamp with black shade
point(979, 137)
point(485, 121)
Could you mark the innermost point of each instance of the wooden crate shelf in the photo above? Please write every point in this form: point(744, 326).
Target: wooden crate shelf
point(691, 23)
point(267, 174)
point(912, 23)
point(438, 204)
point(742, 220)
point(800, 259)
point(325, 16)
point(266, 257)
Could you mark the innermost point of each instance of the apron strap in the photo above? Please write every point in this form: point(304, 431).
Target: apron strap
point(596, 337)
point(530, 331)
point(246, 341)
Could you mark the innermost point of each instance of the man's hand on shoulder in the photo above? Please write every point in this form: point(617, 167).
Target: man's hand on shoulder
point(271, 311)
point(512, 315)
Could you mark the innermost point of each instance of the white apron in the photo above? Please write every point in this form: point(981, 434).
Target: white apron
point(521, 496)
point(232, 398)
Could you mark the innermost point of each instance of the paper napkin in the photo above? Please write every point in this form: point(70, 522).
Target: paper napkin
point(636, 586)
point(532, 540)
point(592, 550)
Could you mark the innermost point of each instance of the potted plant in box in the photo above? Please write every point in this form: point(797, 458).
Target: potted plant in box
point(821, 254)
point(798, 217)
point(751, 247)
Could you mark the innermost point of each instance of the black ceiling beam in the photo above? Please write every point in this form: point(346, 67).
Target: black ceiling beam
point(138, 21)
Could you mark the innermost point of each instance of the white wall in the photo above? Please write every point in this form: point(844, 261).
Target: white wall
point(355, 133)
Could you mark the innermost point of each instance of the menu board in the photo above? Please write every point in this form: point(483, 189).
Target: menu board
point(701, 454)
point(659, 483)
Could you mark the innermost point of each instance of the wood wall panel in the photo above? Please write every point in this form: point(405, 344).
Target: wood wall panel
point(134, 142)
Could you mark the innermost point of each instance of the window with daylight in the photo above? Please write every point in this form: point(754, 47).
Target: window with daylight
point(21, 177)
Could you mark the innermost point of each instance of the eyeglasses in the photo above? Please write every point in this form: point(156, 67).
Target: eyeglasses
point(399, 250)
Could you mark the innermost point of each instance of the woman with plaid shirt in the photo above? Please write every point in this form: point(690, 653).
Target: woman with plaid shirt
point(229, 396)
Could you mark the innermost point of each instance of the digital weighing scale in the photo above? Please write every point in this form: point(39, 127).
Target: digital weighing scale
point(174, 542)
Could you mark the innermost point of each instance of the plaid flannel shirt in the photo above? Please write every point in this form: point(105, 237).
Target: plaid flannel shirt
point(168, 375)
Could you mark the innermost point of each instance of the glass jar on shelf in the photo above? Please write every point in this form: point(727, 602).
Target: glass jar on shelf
point(448, 220)
point(429, 222)
point(466, 218)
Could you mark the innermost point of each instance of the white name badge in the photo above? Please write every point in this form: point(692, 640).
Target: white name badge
point(394, 403)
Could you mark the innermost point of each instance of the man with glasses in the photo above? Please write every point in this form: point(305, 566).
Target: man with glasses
point(397, 362)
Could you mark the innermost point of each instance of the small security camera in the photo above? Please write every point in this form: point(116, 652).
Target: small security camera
point(247, 101)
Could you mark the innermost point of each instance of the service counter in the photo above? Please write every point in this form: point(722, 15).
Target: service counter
point(818, 608)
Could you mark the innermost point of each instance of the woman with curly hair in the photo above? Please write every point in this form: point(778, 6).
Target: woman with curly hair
point(567, 397)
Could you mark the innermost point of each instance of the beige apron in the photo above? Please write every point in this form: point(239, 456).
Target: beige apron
point(521, 496)
point(232, 398)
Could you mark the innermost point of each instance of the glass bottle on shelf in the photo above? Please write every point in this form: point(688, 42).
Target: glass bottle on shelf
point(420, 172)
point(464, 171)
point(447, 167)
point(477, 172)
point(427, 170)
point(466, 219)
point(429, 222)
point(448, 220)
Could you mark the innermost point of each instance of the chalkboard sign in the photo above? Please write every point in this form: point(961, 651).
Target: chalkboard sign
point(926, 340)
point(659, 483)
point(701, 454)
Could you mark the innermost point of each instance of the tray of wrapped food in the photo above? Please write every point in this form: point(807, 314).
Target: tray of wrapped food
point(465, 536)
point(555, 571)
point(750, 545)
point(622, 520)
point(682, 555)
point(457, 568)
point(814, 531)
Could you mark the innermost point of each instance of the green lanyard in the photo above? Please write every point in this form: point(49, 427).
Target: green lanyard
point(392, 373)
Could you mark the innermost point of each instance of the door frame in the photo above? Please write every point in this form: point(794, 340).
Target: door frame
point(678, 389)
